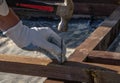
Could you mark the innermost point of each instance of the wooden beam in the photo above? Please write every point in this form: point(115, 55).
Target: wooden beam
point(49, 80)
point(53, 81)
point(104, 67)
point(104, 57)
point(71, 71)
point(79, 9)
point(89, 44)
point(87, 1)
point(98, 7)
point(100, 39)
point(41, 67)
point(95, 9)
point(112, 24)
point(105, 77)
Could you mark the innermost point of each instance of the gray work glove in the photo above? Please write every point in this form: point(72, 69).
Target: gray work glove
point(4, 10)
point(36, 38)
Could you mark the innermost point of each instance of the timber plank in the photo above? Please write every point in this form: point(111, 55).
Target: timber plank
point(53, 81)
point(69, 71)
point(89, 44)
point(80, 9)
point(88, 1)
point(39, 67)
point(104, 57)
point(100, 39)
point(59, 81)
point(95, 9)
point(106, 77)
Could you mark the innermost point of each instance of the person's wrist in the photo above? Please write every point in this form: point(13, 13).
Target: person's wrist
point(6, 22)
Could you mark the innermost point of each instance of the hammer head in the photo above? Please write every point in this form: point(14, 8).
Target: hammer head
point(65, 11)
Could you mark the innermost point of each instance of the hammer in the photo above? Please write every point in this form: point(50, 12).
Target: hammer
point(63, 10)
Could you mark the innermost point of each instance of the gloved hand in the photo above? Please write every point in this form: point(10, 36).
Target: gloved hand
point(30, 39)
point(36, 38)
point(4, 10)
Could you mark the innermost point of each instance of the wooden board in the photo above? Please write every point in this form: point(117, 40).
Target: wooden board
point(87, 1)
point(53, 81)
point(100, 39)
point(87, 7)
point(41, 67)
point(106, 77)
point(104, 57)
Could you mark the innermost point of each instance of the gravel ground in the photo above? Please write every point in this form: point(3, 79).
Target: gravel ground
point(77, 33)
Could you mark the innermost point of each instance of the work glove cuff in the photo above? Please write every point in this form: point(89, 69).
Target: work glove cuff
point(18, 34)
